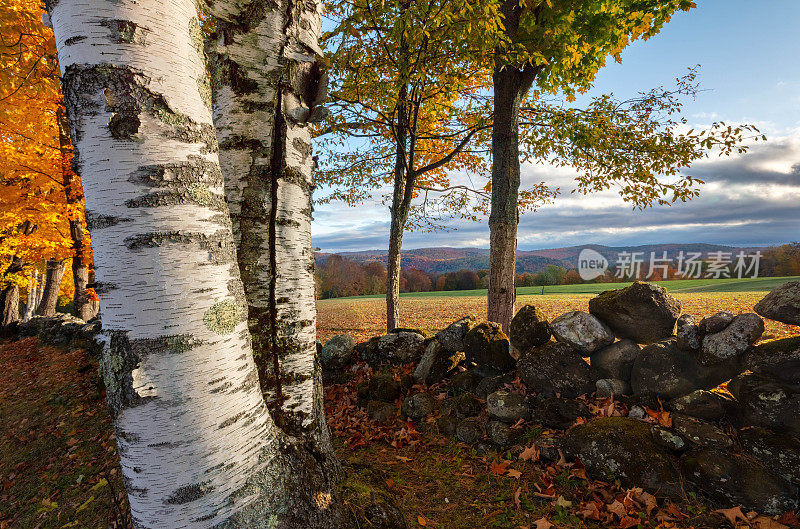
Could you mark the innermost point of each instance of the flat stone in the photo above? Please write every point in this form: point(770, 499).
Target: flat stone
point(700, 432)
point(703, 404)
point(582, 331)
point(733, 341)
point(716, 322)
point(507, 407)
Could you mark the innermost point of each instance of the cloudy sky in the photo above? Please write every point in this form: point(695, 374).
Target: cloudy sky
point(748, 52)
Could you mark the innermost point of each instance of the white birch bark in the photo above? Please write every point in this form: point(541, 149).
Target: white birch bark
point(33, 296)
point(197, 445)
point(266, 85)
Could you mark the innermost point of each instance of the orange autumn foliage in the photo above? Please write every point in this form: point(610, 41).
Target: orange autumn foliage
point(35, 164)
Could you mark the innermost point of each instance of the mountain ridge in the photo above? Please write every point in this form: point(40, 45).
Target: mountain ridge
point(442, 259)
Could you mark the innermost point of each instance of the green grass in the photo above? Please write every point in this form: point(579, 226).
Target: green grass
point(760, 284)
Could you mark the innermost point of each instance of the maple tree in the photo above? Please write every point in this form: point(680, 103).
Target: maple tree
point(558, 46)
point(407, 105)
point(42, 213)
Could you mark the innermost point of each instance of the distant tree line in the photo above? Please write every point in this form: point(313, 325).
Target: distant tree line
point(339, 277)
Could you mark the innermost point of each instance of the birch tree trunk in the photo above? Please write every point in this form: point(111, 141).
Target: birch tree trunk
point(33, 296)
point(52, 285)
point(197, 445)
point(267, 85)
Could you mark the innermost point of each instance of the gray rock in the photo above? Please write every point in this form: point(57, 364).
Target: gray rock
point(382, 513)
point(384, 388)
point(611, 387)
point(779, 452)
point(396, 348)
point(337, 352)
point(582, 331)
point(560, 413)
point(767, 403)
point(489, 349)
point(668, 439)
point(733, 340)
point(507, 407)
point(452, 337)
point(619, 448)
point(616, 360)
point(716, 322)
point(501, 433)
point(700, 432)
point(665, 371)
point(489, 385)
point(436, 363)
point(418, 406)
point(643, 312)
point(464, 382)
point(529, 328)
point(688, 333)
point(778, 360)
point(381, 411)
point(470, 430)
point(730, 479)
point(557, 368)
point(549, 448)
point(637, 412)
point(703, 404)
point(447, 425)
point(466, 405)
point(782, 304)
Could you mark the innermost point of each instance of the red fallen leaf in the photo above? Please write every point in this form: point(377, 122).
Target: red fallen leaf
point(765, 522)
point(789, 518)
point(617, 508)
point(517, 494)
point(732, 515)
point(530, 454)
point(422, 520)
point(670, 513)
point(579, 473)
point(590, 511)
point(661, 417)
point(628, 521)
point(514, 473)
point(542, 523)
point(498, 468)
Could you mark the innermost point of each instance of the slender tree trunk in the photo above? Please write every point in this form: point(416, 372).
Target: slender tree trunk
point(9, 296)
point(510, 87)
point(197, 445)
point(267, 82)
point(33, 296)
point(52, 286)
point(9, 301)
point(398, 211)
point(82, 306)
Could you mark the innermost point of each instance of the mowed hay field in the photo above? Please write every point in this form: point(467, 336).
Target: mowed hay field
point(363, 317)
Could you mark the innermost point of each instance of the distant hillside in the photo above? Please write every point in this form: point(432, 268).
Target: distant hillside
point(444, 259)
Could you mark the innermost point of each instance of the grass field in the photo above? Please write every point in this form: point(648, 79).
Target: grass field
point(759, 284)
point(365, 316)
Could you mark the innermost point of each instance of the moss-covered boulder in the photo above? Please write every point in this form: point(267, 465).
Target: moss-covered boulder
point(643, 312)
point(780, 452)
point(666, 371)
point(557, 368)
point(529, 328)
point(776, 359)
point(621, 448)
point(782, 304)
point(729, 479)
point(452, 337)
point(488, 347)
point(767, 403)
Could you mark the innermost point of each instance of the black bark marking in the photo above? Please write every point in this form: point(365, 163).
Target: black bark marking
point(97, 221)
point(220, 246)
point(195, 169)
point(124, 126)
point(189, 493)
